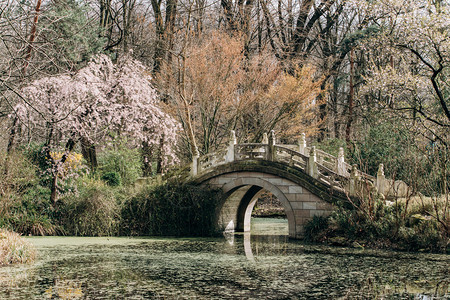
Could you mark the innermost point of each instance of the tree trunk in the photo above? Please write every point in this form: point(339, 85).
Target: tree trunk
point(350, 100)
point(55, 171)
point(13, 132)
point(146, 156)
point(89, 153)
point(32, 37)
point(159, 161)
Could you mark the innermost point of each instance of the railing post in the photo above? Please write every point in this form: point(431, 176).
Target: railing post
point(194, 166)
point(340, 163)
point(312, 163)
point(264, 142)
point(271, 148)
point(302, 144)
point(230, 152)
point(353, 181)
point(265, 139)
point(381, 179)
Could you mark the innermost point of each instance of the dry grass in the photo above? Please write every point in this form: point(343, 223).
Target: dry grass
point(420, 204)
point(15, 249)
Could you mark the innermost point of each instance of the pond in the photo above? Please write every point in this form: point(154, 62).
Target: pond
point(261, 265)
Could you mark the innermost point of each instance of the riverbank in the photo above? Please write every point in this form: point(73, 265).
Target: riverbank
point(415, 224)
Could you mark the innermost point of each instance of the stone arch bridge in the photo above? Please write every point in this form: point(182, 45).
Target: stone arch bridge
point(306, 180)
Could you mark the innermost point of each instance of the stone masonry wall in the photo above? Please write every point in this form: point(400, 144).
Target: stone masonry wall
point(300, 204)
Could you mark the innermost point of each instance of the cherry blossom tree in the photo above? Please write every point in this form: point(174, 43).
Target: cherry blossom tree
point(411, 63)
point(408, 81)
point(100, 100)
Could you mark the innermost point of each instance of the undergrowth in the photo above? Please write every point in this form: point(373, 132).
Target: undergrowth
point(387, 225)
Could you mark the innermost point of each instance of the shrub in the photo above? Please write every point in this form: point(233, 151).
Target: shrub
point(14, 249)
point(391, 144)
point(91, 211)
point(30, 223)
point(315, 228)
point(17, 175)
point(24, 204)
point(123, 161)
point(111, 178)
point(171, 209)
point(35, 153)
point(392, 226)
point(330, 146)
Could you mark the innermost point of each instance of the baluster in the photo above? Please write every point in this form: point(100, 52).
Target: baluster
point(265, 139)
point(353, 180)
point(195, 158)
point(271, 149)
point(381, 179)
point(230, 152)
point(264, 142)
point(302, 144)
point(340, 163)
point(312, 163)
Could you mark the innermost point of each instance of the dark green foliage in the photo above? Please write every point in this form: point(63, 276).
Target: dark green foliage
point(24, 203)
point(314, 229)
point(331, 146)
point(74, 38)
point(352, 40)
point(37, 155)
point(123, 161)
point(111, 178)
point(391, 144)
point(171, 209)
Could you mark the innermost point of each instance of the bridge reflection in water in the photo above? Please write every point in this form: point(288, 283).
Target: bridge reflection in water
point(266, 234)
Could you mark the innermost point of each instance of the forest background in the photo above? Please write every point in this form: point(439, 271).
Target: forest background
point(98, 92)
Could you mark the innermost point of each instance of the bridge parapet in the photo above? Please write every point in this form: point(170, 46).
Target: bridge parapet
point(331, 170)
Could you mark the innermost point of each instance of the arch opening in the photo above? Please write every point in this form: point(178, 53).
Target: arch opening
point(242, 196)
point(266, 215)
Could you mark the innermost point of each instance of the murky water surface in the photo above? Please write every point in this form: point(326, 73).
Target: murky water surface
point(264, 265)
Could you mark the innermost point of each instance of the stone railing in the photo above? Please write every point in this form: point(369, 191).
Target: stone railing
point(328, 169)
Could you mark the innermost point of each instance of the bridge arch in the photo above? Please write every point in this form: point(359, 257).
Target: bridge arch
point(306, 180)
point(241, 210)
point(302, 197)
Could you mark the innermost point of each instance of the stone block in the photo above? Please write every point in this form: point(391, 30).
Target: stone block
point(290, 216)
point(235, 182)
point(324, 205)
point(275, 181)
point(292, 232)
point(296, 205)
point(290, 197)
point(291, 223)
point(300, 214)
point(309, 205)
point(213, 181)
point(284, 189)
point(303, 197)
point(251, 180)
point(223, 180)
point(317, 212)
point(314, 198)
point(248, 174)
point(286, 182)
point(295, 189)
